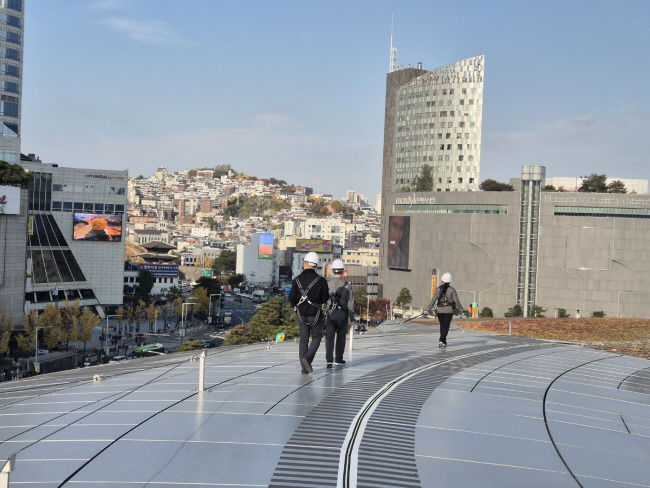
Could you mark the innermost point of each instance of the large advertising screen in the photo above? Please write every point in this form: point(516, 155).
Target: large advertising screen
point(265, 250)
point(97, 227)
point(399, 229)
point(315, 245)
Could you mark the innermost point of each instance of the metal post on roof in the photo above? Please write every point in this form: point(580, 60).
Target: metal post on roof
point(6, 470)
point(202, 371)
point(351, 337)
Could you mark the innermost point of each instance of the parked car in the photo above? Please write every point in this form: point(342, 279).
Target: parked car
point(207, 342)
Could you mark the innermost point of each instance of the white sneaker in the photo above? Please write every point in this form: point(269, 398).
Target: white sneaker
point(442, 344)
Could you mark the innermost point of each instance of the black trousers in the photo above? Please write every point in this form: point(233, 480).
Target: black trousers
point(334, 353)
point(307, 349)
point(445, 322)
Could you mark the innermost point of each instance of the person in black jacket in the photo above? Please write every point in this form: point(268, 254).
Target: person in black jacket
point(309, 293)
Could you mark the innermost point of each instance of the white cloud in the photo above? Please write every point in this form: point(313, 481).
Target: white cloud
point(107, 5)
point(152, 32)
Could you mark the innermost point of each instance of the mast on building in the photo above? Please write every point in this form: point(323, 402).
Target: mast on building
point(393, 50)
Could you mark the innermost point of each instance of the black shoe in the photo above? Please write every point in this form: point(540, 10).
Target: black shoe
point(306, 366)
point(340, 361)
point(329, 365)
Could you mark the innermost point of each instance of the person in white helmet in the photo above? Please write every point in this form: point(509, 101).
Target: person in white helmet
point(444, 299)
point(308, 296)
point(340, 308)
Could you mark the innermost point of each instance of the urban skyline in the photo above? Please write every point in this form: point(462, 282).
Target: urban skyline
point(135, 87)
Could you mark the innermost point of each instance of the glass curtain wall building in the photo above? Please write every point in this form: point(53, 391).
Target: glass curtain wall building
point(11, 49)
point(433, 118)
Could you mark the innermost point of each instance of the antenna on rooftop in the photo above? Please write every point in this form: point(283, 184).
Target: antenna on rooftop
point(393, 50)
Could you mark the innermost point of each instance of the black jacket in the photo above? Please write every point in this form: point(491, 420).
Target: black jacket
point(317, 295)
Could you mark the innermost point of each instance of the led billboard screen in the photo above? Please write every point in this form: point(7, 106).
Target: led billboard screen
point(265, 250)
point(97, 227)
point(399, 228)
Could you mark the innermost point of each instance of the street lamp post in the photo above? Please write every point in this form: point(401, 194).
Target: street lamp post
point(106, 333)
point(183, 318)
point(210, 306)
point(36, 351)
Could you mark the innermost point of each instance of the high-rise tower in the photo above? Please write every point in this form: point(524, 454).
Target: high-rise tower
point(434, 118)
point(11, 49)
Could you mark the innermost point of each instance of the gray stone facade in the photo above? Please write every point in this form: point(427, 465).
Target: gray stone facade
point(582, 252)
point(13, 236)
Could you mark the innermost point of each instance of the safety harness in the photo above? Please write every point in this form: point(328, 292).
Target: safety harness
point(303, 299)
point(335, 299)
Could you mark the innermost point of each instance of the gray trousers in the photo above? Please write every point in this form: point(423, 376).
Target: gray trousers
point(334, 348)
point(307, 349)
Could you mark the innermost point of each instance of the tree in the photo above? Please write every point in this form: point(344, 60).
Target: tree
point(549, 188)
point(404, 298)
point(599, 314)
point(69, 325)
point(221, 170)
point(211, 285)
point(14, 175)
point(423, 182)
point(382, 306)
point(360, 301)
point(538, 311)
point(174, 292)
point(146, 283)
point(594, 184)
point(486, 312)
point(138, 314)
point(337, 206)
point(616, 186)
point(561, 313)
point(201, 300)
point(493, 185)
point(515, 311)
point(88, 320)
point(236, 280)
point(51, 320)
point(6, 328)
point(271, 318)
point(225, 263)
point(237, 335)
point(191, 173)
point(27, 338)
point(177, 307)
point(151, 313)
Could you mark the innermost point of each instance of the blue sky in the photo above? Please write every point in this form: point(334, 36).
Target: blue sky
point(295, 89)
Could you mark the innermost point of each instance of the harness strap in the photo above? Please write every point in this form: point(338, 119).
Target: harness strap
point(304, 298)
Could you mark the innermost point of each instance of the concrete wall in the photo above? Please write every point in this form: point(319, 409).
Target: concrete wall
point(13, 237)
point(586, 263)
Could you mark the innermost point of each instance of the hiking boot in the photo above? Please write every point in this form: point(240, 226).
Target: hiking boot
point(306, 366)
point(329, 365)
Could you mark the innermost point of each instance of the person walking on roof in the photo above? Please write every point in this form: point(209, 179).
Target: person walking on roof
point(444, 300)
point(340, 311)
point(309, 293)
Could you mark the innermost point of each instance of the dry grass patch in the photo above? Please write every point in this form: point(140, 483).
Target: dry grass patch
point(625, 336)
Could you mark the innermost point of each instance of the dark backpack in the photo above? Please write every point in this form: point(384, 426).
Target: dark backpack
point(337, 312)
point(443, 300)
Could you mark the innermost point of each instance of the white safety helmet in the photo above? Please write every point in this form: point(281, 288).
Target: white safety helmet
point(446, 278)
point(312, 258)
point(338, 265)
